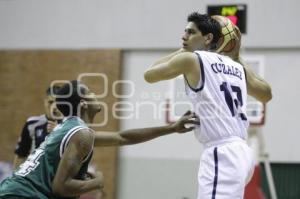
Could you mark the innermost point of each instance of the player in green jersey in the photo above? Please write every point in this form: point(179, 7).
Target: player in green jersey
point(58, 168)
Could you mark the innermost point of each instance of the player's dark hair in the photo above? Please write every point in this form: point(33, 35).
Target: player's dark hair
point(52, 90)
point(68, 95)
point(206, 25)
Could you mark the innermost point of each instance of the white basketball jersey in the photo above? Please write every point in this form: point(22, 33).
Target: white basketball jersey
point(220, 98)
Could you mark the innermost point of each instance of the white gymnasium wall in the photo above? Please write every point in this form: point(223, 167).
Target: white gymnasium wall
point(133, 23)
point(166, 167)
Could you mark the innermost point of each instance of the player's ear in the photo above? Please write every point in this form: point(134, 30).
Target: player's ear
point(208, 38)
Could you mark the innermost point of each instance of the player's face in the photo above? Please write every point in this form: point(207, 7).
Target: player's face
point(93, 102)
point(193, 38)
point(50, 108)
point(93, 105)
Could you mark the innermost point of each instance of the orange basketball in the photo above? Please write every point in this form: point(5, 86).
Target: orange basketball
point(230, 34)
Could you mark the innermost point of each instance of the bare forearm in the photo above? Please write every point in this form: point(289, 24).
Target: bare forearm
point(135, 136)
point(132, 136)
point(249, 70)
point(64, 182)
point(263, 94)
point(256, 86)
point(167, 58)
point(75, 187)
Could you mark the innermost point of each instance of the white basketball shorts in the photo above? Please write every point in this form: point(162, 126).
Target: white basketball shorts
point(226, 166)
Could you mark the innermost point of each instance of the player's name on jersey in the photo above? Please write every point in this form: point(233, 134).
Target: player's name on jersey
point(226, 69)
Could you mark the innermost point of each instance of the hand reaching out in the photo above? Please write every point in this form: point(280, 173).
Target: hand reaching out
point(183, 125)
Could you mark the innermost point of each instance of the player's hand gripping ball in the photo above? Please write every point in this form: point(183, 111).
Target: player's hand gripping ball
point(231, 35)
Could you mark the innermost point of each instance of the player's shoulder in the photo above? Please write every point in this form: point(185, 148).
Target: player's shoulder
point(86, 133)
point(36, 118)
point(74, 121)
point(77, 136)
point(216, 57)
point(83, 136)
point(188, 58)
point(186, 55)
point(207, 53)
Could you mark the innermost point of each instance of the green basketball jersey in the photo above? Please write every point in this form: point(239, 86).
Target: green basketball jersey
point(33, 179)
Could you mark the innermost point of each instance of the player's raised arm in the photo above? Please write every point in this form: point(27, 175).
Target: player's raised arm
point(135, 136)
point(257, 87)
point(168, 57)
point(78, 149)
point(181, 64)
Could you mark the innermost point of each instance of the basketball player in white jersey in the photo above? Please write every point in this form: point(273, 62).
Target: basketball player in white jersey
point(217, 87)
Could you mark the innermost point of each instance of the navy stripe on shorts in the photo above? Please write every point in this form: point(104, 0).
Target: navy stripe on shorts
point(216, 174)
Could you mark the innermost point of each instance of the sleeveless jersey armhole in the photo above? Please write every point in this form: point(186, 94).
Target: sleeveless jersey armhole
point(67, 138)
point(201, 86)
